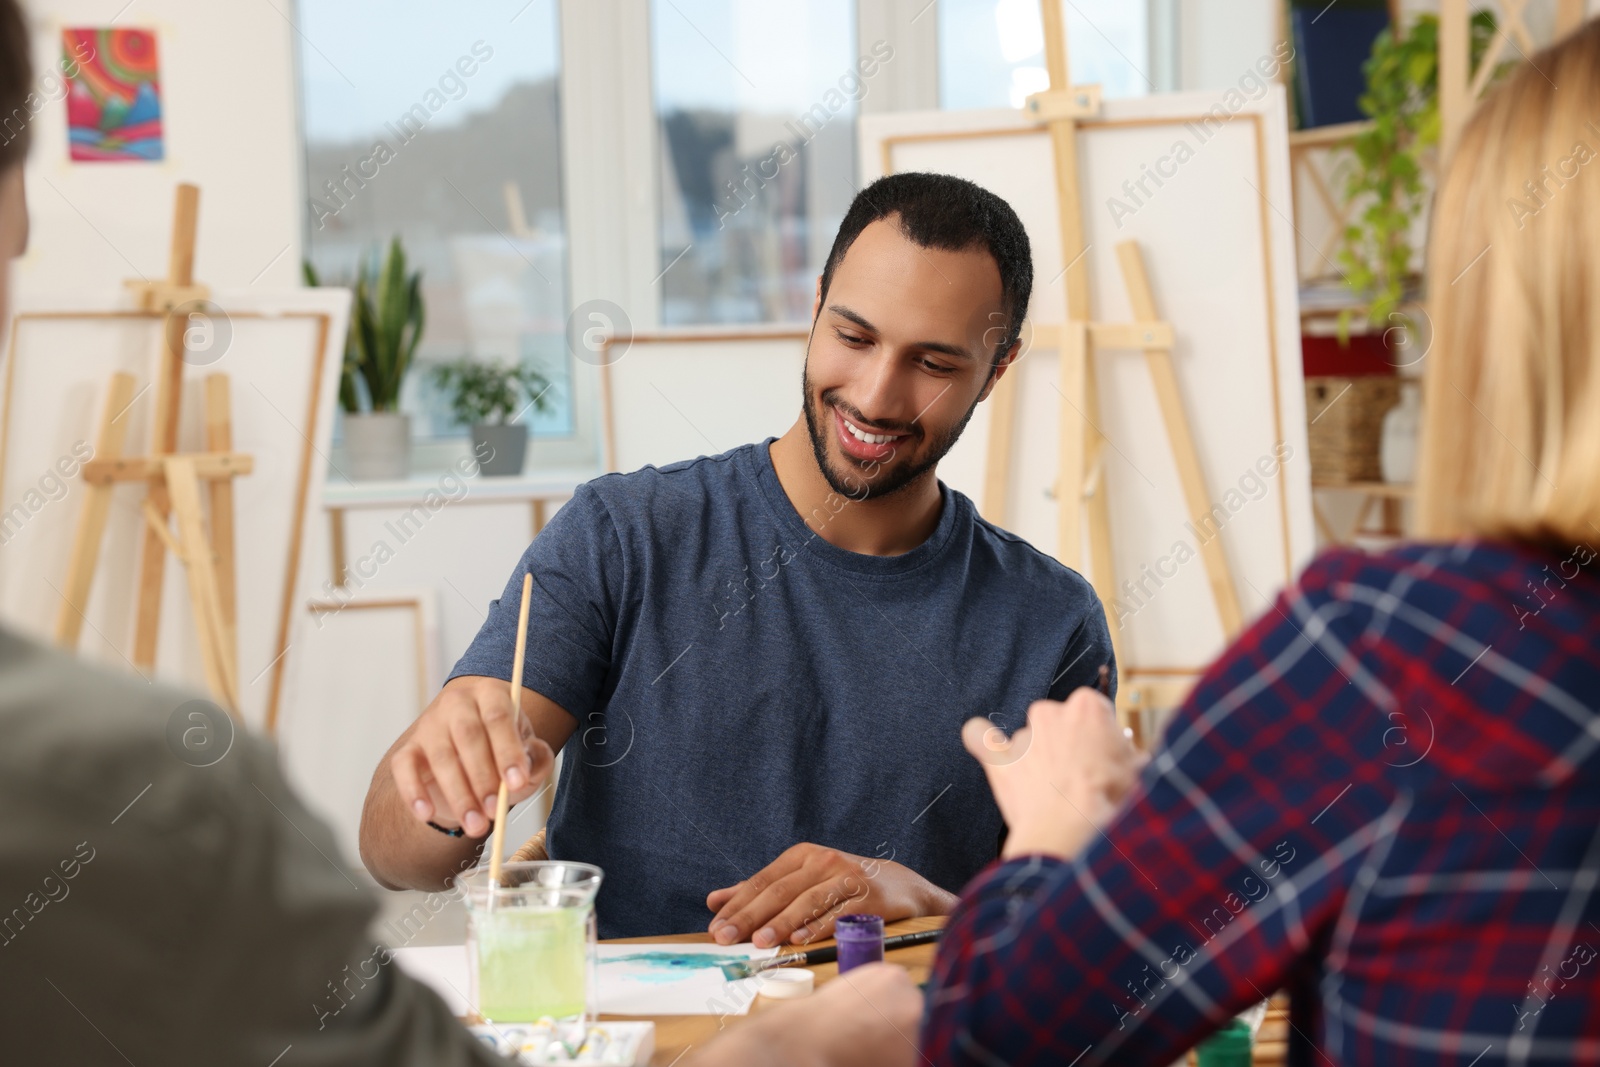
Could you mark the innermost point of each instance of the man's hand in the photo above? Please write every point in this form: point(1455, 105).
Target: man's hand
point(872, 1016)
point(797, 896)
point(1059, 778)
point(448, 768)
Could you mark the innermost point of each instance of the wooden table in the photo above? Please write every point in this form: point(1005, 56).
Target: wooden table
point(677, 1034)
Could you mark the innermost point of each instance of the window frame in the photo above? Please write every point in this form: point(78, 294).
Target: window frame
point(610, 175)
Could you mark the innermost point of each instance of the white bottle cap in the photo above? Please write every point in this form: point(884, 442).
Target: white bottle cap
point(786, 983)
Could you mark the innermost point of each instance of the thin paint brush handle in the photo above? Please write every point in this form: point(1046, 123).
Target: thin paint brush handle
point(811, 957)
point(502, 803)
point(921, 937)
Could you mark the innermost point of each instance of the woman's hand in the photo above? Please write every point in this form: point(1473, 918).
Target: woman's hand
point(867, 1018)
point(1059, 778)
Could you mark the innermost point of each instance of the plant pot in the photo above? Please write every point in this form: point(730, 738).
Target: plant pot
point(378, 445)
point(500, 448)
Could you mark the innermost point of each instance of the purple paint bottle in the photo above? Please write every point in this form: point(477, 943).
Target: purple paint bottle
point(860, 940)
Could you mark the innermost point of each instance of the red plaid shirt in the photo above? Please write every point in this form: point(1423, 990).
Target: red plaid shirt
point(1385, 797)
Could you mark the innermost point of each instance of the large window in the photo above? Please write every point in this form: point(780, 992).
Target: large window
point(991, 52)
point(439, 123)
point(756, 104)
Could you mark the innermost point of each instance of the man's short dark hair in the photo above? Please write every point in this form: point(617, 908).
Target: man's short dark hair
point(945, 212)
point(16, 80)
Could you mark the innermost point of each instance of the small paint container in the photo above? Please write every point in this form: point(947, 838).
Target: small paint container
point(860, 939)
point(786, 983)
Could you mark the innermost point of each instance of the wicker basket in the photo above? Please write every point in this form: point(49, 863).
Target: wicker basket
point(1346, 426)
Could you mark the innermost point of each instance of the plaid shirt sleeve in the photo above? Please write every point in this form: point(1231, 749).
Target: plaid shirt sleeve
point(1231, 859)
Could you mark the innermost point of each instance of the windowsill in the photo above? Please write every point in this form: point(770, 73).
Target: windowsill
point(536, 485)
point(436, 465)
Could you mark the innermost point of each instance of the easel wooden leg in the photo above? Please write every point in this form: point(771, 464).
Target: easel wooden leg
point(1074, 424)
point(158, 526)
point(219, 438)
point(92, 520)
point(152, 572)
point(1080, 440)
point(164, 432)
point(997, 463)
point(184, 489)
point(1181, 441)
point(164, 441)
point(1102, 563)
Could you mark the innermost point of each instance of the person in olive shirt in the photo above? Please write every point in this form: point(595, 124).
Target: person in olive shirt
point(163, 910)
point(165, 898)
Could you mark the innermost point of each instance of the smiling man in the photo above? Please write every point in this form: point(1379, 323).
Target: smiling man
point(759, 663)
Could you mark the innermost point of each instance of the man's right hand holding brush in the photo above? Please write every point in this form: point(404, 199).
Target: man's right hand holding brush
point(446, 770)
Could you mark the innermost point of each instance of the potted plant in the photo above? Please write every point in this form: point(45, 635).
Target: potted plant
point(486, 397)
point(1402, 101)
point(386, 321)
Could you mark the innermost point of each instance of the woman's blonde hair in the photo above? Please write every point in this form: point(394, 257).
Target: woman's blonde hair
point(1511, 432)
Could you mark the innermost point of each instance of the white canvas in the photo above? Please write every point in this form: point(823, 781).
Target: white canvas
point(1218, 248)
point(366, 665)
point(58, 385)
point(677, 399)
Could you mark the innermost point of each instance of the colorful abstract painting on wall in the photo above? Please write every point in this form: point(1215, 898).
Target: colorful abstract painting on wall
point(114, 98)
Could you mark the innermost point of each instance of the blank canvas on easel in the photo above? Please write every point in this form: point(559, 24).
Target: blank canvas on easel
point(330, 739)
point(678, 394)
point(283, 364)
point(1219, 250)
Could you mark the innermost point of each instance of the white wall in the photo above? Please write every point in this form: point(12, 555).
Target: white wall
point(231, 126)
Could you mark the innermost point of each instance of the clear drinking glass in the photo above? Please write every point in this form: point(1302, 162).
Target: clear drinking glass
point(530, 940)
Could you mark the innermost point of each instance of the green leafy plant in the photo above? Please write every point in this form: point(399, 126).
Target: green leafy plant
point(490, 392)
point(1402, 100)
point(386, 321)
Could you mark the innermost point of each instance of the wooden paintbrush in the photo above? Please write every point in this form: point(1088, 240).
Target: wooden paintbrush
point(502, 806)
point(737, 969)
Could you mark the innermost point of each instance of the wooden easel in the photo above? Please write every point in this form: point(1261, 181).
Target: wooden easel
point(172, 486)
point(1082, 482)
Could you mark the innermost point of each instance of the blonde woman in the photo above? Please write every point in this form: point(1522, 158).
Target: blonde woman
point(1385, 797)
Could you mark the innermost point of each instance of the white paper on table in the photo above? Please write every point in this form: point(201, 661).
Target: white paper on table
point(441, 967)
point(647, 978)
point(667, 978)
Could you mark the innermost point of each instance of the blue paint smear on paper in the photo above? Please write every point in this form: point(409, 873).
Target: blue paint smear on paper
point(659, 968)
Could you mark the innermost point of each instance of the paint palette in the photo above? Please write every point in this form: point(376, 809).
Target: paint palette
point(629, 1044)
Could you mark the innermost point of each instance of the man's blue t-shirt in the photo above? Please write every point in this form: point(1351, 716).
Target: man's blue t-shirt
point(741, 685)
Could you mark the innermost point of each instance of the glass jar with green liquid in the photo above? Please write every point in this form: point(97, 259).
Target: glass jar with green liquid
point(530, 940)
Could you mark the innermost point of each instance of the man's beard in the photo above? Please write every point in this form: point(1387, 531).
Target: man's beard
point(893, 478)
